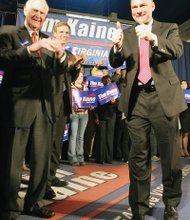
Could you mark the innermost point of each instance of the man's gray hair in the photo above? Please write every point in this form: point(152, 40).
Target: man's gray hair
point(29, 4)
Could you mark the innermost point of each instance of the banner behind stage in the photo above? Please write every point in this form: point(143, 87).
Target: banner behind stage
point(90, 36)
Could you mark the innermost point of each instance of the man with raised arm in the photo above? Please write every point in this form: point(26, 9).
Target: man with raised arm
point(152, 97)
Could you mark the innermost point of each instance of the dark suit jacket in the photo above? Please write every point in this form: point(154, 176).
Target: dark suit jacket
point(62, 87)
point(166, 81)
point(27, 78)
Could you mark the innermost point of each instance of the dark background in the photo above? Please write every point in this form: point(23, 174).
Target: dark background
point(177, 11)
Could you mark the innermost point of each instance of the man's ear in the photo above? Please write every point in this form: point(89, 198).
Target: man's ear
point(25, 11)
point(153, 6)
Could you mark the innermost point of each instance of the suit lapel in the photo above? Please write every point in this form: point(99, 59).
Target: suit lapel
point(24, 35)
point(134, 42)
point(44, 52)
point(133, 47)
point(156, 27)
point(136, 46)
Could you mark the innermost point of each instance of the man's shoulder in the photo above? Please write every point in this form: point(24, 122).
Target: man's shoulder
point(166, 24)
point(9, 28)
point(130, 28)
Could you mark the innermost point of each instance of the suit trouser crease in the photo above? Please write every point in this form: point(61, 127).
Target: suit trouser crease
point(148, 112)
point(57, 142)
point(39, 150)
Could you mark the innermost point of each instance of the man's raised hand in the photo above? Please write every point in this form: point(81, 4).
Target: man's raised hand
point(117, 37)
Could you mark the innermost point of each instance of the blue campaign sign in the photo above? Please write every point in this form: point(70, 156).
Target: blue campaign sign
point(87, 35)
point(84, 99)
point(93, 82)
point(187, 95)
point(108, 92)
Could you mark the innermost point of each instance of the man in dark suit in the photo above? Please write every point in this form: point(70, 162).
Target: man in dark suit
point(62, 102)
point(27, 110)
point(155, 102)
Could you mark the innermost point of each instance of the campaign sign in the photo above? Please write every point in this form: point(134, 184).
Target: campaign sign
point(84, 99)
point(93, 82)
point(187, 95)
point(87, 35)
point(66, 132)
point(108, 92)
point(1, 76)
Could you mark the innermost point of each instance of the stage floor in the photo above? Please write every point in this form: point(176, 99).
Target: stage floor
point(101, 192)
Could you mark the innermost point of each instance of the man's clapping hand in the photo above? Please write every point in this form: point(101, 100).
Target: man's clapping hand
point(51, 44)
point(76, 60)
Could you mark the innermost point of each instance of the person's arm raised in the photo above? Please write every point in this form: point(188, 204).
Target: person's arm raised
point(117, 37)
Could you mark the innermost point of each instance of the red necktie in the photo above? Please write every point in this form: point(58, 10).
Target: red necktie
point(144, 66)
point(34, 39)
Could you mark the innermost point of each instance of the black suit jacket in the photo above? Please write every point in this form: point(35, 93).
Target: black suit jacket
point(62, 87)
point(27, 78)
point(166, 81)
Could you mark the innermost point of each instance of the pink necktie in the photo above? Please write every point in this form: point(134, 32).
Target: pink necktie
point(144, 66)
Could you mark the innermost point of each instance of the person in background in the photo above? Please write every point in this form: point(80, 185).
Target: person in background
point(105, 71)
point(105, 116)
point(185, 125)
point(96, 68)
point(63, 104)
point(121, 136)
point(78, 123)
point(29, 59)
point(89, 137)
point(116, 75)
point(152, 98)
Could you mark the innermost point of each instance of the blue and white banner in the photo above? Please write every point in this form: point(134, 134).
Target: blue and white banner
point(187, 95)
point(89, 36)
point(93, 82)
point(1, 76)
point(84, 99)
point(108, 92)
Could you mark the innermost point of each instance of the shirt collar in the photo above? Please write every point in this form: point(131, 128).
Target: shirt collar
point(150, 23)
point(30, 31)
